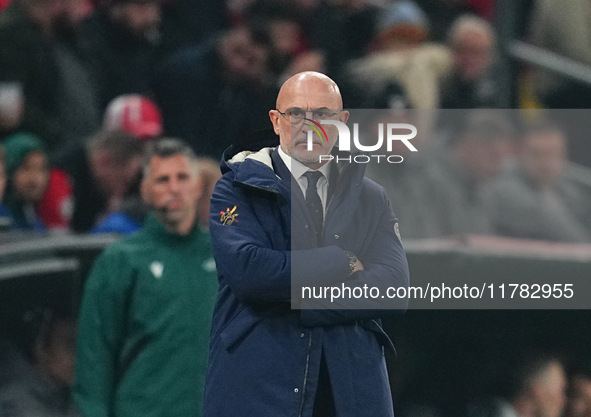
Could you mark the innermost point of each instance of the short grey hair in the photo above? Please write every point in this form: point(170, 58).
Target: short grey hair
point(165, 148)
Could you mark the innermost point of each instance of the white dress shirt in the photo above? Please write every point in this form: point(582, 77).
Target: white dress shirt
point(298, 170)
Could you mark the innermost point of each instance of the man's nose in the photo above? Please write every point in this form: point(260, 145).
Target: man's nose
point(310, 115)
point(174, 185)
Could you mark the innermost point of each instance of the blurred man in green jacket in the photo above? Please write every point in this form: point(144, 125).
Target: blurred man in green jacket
point(146, 311)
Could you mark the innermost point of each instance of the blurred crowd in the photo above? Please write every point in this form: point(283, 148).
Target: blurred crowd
point(85, 85)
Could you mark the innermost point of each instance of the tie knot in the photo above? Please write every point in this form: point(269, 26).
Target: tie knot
point(313, 177)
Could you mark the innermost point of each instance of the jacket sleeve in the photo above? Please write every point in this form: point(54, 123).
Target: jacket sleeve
point(385, 266)
point(250, 261)
point(100, 335)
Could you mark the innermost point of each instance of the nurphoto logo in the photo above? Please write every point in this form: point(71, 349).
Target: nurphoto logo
point(389, 132)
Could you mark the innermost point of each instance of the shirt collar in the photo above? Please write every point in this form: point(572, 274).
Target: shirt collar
point(298, 169)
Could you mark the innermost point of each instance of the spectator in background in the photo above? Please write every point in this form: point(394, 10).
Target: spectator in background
point(102, 172)
point(125, 221)
point(162, 280)
point(301, 42)
point(454, 181)
point(282, 21)
point(134, 114)
point(123, 40)
point(38, 196)
point(27, 167)
point(26, 36)
point(316, 28)
point(471, 83)
point(217, 93)
point(38, 53)
point(11, 108)
point(133, 211)
point(78, 96)
point(538, 386)
point(4, 4)
point(324, 34)
point(536, 199)
point(56, 206)
point(579, 393)
point(402, 55)
point(140, 117)
point(45, 389)
point(533, 385)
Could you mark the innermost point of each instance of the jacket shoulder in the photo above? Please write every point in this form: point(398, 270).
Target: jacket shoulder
point(373, 190)
point(127, 246)
point(113, 269)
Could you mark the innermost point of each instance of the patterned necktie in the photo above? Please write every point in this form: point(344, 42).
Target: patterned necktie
point(313, 200)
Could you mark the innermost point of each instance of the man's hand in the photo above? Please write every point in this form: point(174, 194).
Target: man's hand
point(354, 263)
point(358, 267)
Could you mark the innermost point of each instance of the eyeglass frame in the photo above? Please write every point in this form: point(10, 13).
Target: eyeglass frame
point(284, 114)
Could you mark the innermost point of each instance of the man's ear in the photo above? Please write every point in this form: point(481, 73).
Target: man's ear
point(344, 116)
point(274, 116)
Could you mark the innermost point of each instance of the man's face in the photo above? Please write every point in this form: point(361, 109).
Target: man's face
point(550, 392)
point(544, 155)
point(172, 189)
point(487, 157)
point(115, 179)
point(31, 177)
point(286, 36)
point(244, 60)
point(307, 100)
point(579, 402)
point(473, 54)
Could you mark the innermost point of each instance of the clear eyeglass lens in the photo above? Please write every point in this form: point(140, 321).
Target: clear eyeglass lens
point(297, 115)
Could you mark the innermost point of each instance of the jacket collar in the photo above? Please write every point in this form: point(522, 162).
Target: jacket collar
point(261, 167)
point(253, 166)
point(280, 168)
point(154, 227)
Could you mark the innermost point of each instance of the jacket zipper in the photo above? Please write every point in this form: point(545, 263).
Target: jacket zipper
point(305, 383)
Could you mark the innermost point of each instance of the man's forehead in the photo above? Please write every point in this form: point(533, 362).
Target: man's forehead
point(176, 162)
point(310, 101)
point(309, 91)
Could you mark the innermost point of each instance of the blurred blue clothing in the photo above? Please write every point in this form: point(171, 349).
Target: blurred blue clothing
point(118, 222)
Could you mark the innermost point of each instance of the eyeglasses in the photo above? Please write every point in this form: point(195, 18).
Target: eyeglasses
point(296, 115)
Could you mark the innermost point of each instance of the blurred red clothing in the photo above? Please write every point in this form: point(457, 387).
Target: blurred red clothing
point(483, 8)
point(56, 206)
point(4, 4)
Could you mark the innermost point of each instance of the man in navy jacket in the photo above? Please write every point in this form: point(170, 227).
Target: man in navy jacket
point(267, 359)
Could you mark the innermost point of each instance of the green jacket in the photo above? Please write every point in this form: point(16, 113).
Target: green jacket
point(144, 326)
